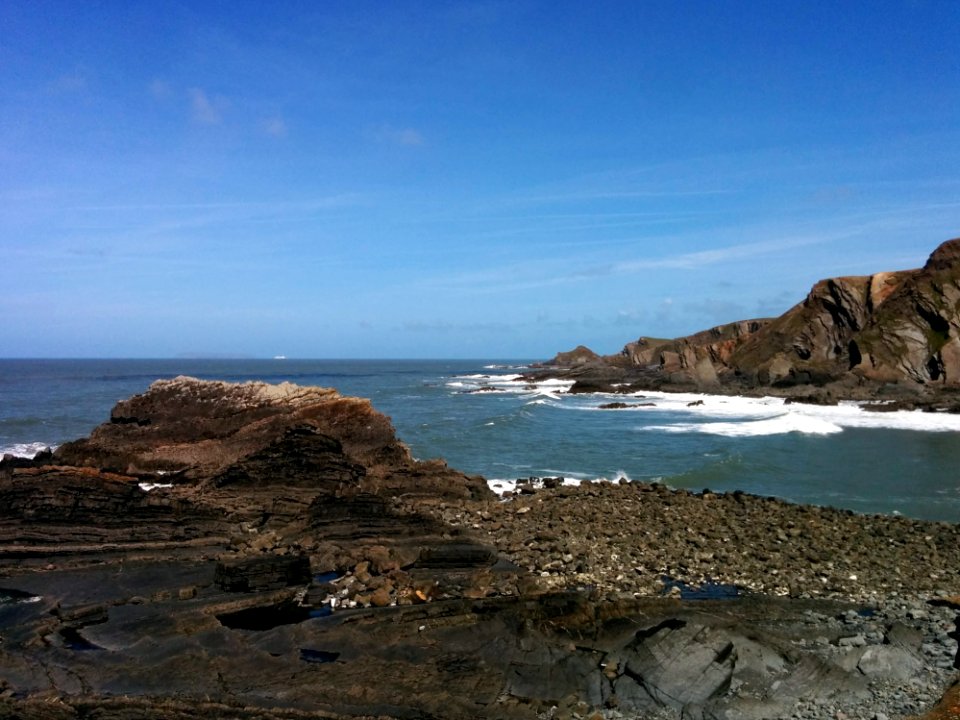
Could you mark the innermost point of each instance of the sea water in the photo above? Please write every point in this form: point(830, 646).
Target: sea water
point(483, 418)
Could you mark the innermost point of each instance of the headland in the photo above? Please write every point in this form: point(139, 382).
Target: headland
point(893, 336)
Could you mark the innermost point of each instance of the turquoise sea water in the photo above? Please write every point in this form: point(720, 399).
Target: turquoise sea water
point(844, 457)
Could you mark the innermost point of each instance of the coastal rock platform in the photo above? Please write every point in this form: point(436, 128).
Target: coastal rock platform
point(255, 551)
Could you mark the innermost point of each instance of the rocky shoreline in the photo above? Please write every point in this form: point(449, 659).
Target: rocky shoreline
point(258, 551)
point(891, 337)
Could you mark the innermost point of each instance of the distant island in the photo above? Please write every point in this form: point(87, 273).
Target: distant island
point(893, 336)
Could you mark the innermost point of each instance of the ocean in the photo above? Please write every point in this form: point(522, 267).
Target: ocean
point(483, 419)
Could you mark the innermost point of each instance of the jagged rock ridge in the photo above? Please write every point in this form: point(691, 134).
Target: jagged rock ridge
point(899, 327)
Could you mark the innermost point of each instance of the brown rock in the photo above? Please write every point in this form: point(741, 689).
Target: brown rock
point(380, 598)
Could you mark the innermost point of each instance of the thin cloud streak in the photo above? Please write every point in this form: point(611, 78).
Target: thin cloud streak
point(207, 110)
point(397, 136)
point(274, 127)
point(557, 272)
point(618, 195)
point(342, 200)
point(705, 258)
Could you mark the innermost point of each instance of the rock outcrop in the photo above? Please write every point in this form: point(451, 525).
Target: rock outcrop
point(896, 331)
point(254, 551)
point(199, 427)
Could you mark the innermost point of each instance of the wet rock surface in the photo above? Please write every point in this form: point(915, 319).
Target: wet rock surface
point(279, 567)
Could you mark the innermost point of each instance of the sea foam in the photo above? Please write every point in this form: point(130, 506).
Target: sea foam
point(736, 416)
point(507, 383)
point(779, 425)
point(25, 450)
point(724, 415)
point(502, 486)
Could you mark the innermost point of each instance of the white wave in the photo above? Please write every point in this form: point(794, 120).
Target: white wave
point(795, 417)
point(502, 486)
point(718, 406)
point(722, 414)
point(508, 384)
point(552, 402)
point(782, 424)
point(25, 450)
point(483, 390)
point(555, 383)
point(549, 394)
point(495, 378)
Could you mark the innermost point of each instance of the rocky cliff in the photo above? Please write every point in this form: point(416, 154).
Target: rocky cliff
point(856, 336)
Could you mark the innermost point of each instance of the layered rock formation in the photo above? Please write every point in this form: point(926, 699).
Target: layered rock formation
point(255, 551)
point(897, 331)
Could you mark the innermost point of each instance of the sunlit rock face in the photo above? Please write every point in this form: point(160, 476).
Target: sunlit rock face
point(853, 336)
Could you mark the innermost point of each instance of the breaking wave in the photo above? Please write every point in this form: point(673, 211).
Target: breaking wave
point(786, 423)
point(721, 415)
point(25, 450)
point(502, 486)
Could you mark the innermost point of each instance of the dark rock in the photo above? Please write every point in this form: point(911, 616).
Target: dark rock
point(259, 573)
point(301, 456)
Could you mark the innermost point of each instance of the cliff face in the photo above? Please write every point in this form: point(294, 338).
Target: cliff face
point(699, 357)
point(900, 327)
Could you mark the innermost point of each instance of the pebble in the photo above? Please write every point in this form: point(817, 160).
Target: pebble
point(624, 539)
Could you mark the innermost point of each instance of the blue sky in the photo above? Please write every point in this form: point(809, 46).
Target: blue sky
point(457, 179)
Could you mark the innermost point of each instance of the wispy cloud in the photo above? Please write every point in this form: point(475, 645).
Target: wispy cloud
point(279, 206)
point(72, 82)
point(441, 326)
point(274, 127)
point(587, 194)
point(160, 89)
point(716, 256)
point(207, 109)
point(397, 136)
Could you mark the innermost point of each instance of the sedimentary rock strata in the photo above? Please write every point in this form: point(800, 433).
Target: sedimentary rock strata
point(893, 333)
point(250, 551)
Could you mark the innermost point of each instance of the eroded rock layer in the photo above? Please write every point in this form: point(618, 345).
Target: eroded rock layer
point(890, 332)
point(255, 551)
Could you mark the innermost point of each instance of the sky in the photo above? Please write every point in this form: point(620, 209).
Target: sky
point(457, 179)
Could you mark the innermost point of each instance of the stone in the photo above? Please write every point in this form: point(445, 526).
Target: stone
point(889, 663)
point(262, 572)
point(380, 598)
